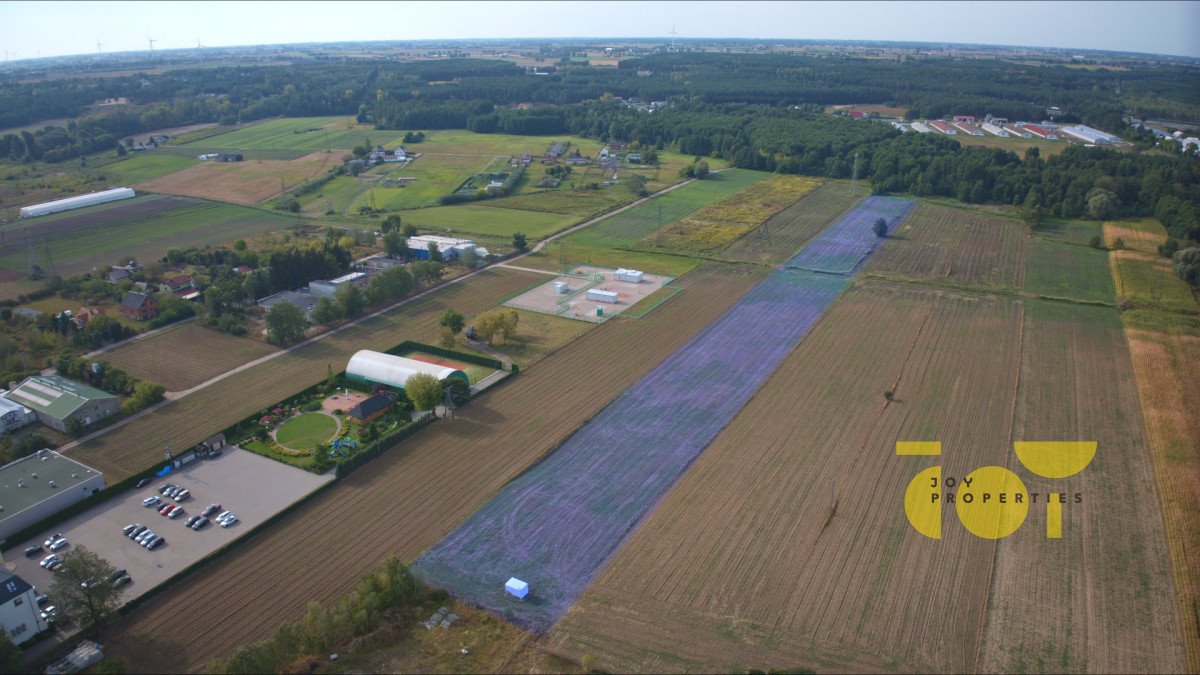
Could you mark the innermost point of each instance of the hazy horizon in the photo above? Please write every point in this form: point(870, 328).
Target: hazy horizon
point(73, 28)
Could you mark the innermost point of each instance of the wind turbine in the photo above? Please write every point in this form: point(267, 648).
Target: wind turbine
point(198, 45)
point(98, 46)
point(152, 41)
point(673, 35)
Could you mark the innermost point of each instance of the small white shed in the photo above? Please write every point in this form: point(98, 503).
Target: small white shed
point(515, 586)
point(601, 296)
point(632, 276)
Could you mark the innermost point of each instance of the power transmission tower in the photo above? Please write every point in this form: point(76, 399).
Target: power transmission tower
point(854, 176)
point(31, 262)
point(49, 259)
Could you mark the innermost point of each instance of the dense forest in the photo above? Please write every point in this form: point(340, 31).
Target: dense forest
point(761, 111)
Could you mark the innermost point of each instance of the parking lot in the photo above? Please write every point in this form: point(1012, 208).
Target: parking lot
point(253, 487)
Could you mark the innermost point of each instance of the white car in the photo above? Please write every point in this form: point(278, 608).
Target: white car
point(59, 545)
point(150, 501)
point(53, 538)
point(48, 559)
point(182, 495)
point(175, 513)
point(228, 520)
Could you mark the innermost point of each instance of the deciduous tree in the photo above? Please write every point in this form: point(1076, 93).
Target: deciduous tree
point(424, 390)
point(285, 323)
point(89, 607)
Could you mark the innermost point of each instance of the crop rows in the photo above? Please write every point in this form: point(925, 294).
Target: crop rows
point(413, 495)
point(846, 244)
point(557, 524)
point(947, 244)
point(184, 357)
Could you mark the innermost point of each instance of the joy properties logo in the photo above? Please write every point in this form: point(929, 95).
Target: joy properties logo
point(992, 501)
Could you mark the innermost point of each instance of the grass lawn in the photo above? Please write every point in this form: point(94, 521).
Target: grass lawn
point(485, 220)
point(306, 431)
point(566, 201)
point(145, 167)
point(437, 175)
point(1078, 232)
point(1061, 270)
point(538, 335)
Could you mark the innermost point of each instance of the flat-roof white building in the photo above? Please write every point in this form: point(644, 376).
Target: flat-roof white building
point(994, 130)
point(327, 288)
point(920, 127)
point(1090, 135)
point(38, 486)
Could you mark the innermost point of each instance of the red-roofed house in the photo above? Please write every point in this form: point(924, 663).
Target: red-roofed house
point(943, 127)
point(178, 283)
point(243, 269)
point(857, 114)
point(1040, 132)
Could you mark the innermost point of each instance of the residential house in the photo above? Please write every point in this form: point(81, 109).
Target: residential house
point(369, 409)
point(243, 269)
point(86, 314)
point(117, 275)
point(20, 615)
point(177, 283)
point(139, 306)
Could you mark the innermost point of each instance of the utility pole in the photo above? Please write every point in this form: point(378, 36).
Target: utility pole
point(854, 176)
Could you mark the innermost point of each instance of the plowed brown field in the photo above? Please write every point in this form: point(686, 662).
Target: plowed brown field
point(405, 501)
point(940, 243)
point(189, 420)
point(186, 356)
point(247, 182)
point(741, 565)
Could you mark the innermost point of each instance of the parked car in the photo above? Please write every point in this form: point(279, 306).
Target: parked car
point(88, 583)
point(50, 613)
point(150, 501)
point(172, 491)
point(122, 580)
point(191, 521)
point(53, 538)
point(136, 531)
point(59, 545)
point(222, 515)
point(210, 509)
point(144, 536)
point(55, 566)
point(117, 575)
point(228, 520)
point(31, 551)
point(199, 524)
point(149, 543)
point(177, 512)
point(164, 487)
point(158, 541)
point(41, 600)
point(142, 483)
point(128, 528)
point(166, 509)
point(182, 495)
point(48, 559)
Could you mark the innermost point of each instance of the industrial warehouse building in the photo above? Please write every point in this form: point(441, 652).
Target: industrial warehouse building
point(373, 368)
point(57, 401)
point(450, 247)
point(76, 202)
point(327, 289)
point(38, 486)
point(13, 416)
point(1090, 135)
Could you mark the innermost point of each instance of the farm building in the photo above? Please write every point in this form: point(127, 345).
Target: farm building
point(1017, 131)
point(58, 401)
point(117, 275)
point(1090, 135)
point(139, 306)
point(941, 126)
point(920, 127)
point(370, 367)
point(1040, 132)
point(327, 289)
point(303, 299)
point(964, 118)
point(998, 121)
point(449, 247)
point(76, 202)
point(968, 128)
point(40, 485)
point(994, 130)
point(371, 408)
point(13, 416)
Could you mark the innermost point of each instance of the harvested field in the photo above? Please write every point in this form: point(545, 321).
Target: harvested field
point(417, 492)
point(247, 182)
point(954, 246)
point(793, 227)
point(189, 420)
point(1168, 376)
point(780, 584)
point(714, 227)
point(1099, 600)
point(1141, 236)
point(579, 503)
point(183, 357)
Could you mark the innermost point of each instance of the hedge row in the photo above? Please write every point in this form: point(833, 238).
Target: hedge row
point(410, 345)
point(380, 446)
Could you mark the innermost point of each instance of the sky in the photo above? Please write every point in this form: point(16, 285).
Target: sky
point(31, 29)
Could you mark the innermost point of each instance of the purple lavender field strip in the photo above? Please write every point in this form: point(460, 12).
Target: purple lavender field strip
point(846, 244)
point(558, 523)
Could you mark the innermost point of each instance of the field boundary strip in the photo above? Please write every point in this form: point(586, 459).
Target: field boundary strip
point(557, 524)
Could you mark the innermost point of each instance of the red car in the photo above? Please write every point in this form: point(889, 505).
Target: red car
point(166, 510)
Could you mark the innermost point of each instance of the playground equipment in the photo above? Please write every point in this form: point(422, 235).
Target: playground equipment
point(339, 446)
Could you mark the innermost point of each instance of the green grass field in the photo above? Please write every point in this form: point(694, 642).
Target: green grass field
point(145, 167)
point(1069, 231)
point(436, 175)
point(306, 432)
point(488, 221)
point(1150, 283)
point(566, 201)
point(304, 134)
point(102, 234)
point(1060, 270)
